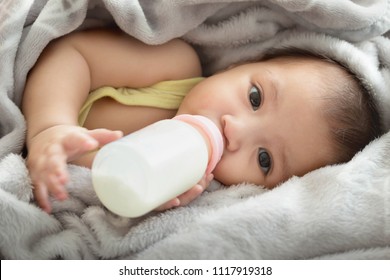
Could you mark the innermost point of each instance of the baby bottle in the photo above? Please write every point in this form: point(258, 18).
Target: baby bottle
point(139, 172)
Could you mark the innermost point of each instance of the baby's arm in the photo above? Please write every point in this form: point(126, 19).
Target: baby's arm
point(62, 78)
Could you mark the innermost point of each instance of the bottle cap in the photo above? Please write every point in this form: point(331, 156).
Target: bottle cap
point(213, 134)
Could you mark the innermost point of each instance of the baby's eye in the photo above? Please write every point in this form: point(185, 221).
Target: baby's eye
point(264, 160)
point(255, 97)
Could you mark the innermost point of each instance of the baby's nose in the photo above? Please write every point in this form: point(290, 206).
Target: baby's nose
point(232, 128)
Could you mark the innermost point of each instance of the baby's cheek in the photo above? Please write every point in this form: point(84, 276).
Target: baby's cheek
point(233, 171)
point(227, 174)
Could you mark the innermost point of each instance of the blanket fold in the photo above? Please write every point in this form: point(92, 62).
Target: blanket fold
point(337, 212)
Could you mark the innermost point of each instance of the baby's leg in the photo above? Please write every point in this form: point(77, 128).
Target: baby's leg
point(51, 149)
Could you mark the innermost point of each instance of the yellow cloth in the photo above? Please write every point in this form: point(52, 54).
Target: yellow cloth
point(165, 95)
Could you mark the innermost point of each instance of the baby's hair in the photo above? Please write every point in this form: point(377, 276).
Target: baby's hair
point(352, 115)
point(348, 107)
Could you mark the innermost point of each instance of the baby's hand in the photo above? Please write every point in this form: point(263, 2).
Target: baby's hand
point(50, 150)
point(189, 195)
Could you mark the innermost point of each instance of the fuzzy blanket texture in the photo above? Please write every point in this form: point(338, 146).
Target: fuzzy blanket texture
point(336, 212)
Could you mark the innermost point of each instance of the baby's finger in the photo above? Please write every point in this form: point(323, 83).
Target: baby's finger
point(76, 144)
point(42, 197)
point(56, 188)
point(56, 163)
point(168, 205)
point(190, 195)
point(104, 136)
point(206, 180)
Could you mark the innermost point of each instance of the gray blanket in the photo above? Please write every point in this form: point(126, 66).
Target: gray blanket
point(337, 212)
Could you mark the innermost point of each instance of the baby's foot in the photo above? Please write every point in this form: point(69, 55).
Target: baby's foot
point(49, 152)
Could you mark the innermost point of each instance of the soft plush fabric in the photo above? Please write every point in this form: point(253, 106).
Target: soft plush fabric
point(337, 212)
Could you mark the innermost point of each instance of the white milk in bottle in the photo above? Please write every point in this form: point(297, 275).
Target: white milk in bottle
point(143, 170)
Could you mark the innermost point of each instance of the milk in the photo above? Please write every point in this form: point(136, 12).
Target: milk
point(143, 170)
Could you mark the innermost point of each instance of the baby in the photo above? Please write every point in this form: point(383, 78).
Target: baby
point(283, 116)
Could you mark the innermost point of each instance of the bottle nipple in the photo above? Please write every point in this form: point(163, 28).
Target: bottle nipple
point(213, 134)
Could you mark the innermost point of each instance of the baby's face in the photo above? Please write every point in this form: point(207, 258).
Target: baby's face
point(270, 116)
